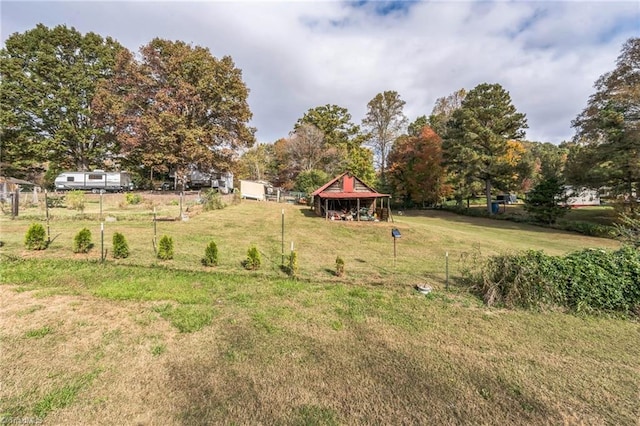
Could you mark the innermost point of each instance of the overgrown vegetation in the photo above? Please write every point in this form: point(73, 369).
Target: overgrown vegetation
point(76, 200)
point(165, 248)
point(210, 255)
point(584, 281)
point(120, 246)
point(36, 237)
point(82, 241)
point(212, 200)
point(253, 260)
point(628, 228)
point(132, 198)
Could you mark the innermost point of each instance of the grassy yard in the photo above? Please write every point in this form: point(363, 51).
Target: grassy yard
point(142, 341)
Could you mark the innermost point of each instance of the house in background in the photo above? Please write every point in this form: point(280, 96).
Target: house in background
point(581, 197)
point(346, 197)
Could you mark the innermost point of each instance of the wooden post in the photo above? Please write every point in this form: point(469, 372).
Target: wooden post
point(358, 208)
point(326, 209)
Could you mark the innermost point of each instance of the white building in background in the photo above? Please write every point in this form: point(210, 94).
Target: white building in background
point(581, 196)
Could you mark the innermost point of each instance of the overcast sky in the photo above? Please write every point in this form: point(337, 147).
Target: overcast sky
point(296, 55)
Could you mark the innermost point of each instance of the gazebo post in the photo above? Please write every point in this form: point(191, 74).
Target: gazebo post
point(358, 208)
point(326, 209)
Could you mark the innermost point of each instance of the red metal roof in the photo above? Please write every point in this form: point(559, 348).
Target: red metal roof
point(353, 195)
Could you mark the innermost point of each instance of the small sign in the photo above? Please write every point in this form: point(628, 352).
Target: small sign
point(395, 233)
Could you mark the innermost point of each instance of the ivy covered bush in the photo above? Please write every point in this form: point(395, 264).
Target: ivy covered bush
point(36, 237)
point(583, 281)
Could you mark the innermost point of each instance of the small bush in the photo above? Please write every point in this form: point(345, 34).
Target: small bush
point(211, 200)
point(36, 237)
point(131, 198)
point(253, 260)
point(165, 248)
point(292, 270)
point(76, 200)
point(339, 267)
point(210, 255)
point(82, 241)
point(120, 246)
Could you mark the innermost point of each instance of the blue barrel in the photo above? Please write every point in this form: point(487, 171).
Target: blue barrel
point(495, 208)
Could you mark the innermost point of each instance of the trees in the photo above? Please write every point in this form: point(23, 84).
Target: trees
point(443, 111)
point(415, 172)
point(477, 136)
point(179, 106)
point(344, 139)
point(307, 148)
point(49, 79)
point(542, 201)
point(608, 129)
point(384, 122)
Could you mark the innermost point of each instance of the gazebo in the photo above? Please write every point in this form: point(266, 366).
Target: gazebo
point(346, 197)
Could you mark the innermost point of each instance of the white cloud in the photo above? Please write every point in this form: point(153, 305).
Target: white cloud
point(298, 55)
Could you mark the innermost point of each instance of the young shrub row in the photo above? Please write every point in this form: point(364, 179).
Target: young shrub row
point(587, 280)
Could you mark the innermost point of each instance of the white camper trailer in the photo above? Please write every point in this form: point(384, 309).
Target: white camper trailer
point(94, 181)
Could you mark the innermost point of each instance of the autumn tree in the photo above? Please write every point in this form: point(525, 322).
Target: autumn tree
point(285, 172)
point(176, 108)
point(344, 138)
point(608, 129)
point(477, 145)
point(416, 173)
point(307, 148)
point(384, 122)
point(48, 80)
point(257, 163)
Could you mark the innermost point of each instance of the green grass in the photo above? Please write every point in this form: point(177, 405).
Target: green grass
point(183, 344)
point(38, 333)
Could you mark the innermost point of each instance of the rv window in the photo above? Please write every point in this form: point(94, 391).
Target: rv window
point(95, 177)
point(69, 178)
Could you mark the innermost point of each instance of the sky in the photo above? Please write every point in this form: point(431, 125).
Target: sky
point(297, 55)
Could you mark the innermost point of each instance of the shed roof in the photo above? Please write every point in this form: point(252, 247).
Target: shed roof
point(337, 189)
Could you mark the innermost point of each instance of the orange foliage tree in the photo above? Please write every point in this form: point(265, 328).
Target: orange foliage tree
point(416, 173)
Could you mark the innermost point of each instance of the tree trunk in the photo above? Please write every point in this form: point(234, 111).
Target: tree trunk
point(487, 191)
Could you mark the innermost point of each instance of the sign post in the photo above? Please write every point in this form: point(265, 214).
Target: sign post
point(395, 233)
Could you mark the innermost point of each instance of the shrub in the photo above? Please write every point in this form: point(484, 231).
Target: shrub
point(339, 266)
point(131, 198)
point(210, 255)
point(36, 237)
point(253, 259)
point(586, 280)
point(120, 246)
point(211, 200)
point(165, 248)
point(82, 241)
point(292, 270)
point(76, 200)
